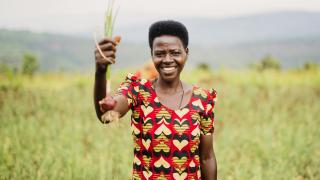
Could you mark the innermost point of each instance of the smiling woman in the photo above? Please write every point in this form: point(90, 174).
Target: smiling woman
point(169, 56)
point(172, 122)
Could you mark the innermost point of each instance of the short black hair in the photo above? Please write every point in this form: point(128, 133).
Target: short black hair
point(168, 27)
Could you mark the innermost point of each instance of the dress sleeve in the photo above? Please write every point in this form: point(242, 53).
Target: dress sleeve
point(130, 90)
point(207, 119)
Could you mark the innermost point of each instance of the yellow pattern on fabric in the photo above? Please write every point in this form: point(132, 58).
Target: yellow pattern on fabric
point(201, 92)
point(163, 113)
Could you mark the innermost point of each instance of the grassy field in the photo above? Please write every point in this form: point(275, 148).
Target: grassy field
point(267, 127)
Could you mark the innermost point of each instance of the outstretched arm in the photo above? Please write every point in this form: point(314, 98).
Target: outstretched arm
point(207, 158)
point(117, 103)
point(99, 90)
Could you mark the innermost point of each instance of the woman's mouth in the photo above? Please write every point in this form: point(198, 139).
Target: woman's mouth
point(168, 69)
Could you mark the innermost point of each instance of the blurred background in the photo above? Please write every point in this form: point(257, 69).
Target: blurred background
point(262, 57)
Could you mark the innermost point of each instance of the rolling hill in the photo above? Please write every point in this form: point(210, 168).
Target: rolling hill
point(291, 37)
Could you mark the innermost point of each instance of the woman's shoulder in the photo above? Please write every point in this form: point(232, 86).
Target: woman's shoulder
point(205, 93)
point(132, 78)
point(135, 80)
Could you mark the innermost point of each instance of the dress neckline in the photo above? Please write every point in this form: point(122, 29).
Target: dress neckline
point(168, 108)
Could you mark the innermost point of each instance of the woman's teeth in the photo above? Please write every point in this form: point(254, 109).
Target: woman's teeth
point(168, 68)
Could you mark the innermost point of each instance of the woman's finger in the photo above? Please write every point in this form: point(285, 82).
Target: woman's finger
point(107, 40)
point(109, 54)
point(108, 46)
point(105, 55)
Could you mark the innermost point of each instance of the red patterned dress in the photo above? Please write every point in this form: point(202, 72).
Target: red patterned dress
point(166, 141)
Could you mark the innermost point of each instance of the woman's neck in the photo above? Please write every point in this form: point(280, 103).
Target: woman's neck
point(169, 87)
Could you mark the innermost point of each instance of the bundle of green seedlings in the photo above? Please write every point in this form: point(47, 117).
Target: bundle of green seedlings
point(109, 102)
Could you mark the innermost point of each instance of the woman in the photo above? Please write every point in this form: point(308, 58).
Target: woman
point(172, 121)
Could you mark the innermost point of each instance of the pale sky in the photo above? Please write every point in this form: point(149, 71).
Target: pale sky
point(78, 15)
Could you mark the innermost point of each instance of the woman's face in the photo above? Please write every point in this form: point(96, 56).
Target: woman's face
point(169, 56)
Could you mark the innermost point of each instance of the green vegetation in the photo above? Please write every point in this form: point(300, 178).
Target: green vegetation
point(311, 65)
point(267, 126)
point(203, 66)
point(267, 62)
point(30, 64)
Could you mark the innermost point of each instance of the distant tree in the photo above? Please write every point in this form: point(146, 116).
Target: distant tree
point(267, 62)
point(30, 64)
point(311, 65)
point(203, 66)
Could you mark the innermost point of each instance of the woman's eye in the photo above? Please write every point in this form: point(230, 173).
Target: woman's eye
point(176, 53)
point(159, 54)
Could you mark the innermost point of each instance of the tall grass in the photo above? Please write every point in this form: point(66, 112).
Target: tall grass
point(267, 127)
point(109, 23)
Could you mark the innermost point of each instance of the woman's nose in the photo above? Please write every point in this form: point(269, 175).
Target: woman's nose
point(167, 58)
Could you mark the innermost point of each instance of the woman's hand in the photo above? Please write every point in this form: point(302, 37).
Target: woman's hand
point(105, 53)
